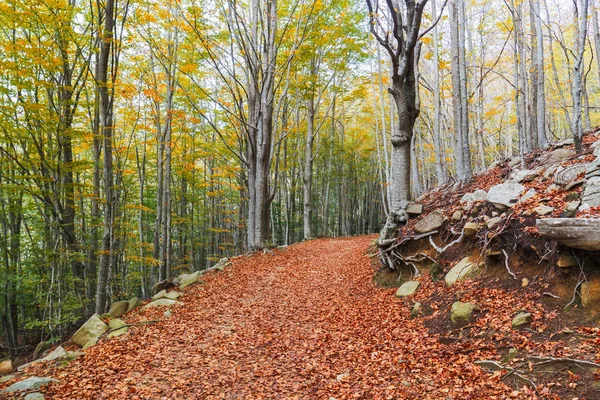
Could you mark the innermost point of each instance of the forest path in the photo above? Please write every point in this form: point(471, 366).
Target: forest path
point(305, 322)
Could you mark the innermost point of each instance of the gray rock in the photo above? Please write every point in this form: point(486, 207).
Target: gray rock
point(59, 352)
point(525, 175)
point(224, 262)
point(593, 169)
point(552, 188)
point(173, 295)
point(414, 209)
point(72, 355)
point(430, 222)
point(92, 329)
point(159, 295)
point(528, 195)
point(573, 206)
point(492, 222)
point(463, 270)
point(505, 194)
point(591, 192)
point(567, 175)
point(117, 328)
point(35, 396)
point(133, 303)
point(119, 308)
point(550, 170)
point(573, 184)
point(556, 156)
point(521, 320)
point(160, 303)
point(457, 216)
point(163, 285)
point(543, 210)
point(563, 143)
point(470, 198)
point(90, 343)
point(40, 348)
point(514, 161)
point(461, 312)
point(408, 288)
point(578, 233)
point(415, 309)
point(471, 229)
point(32, 383)
point(189, 279)
point(6, 378)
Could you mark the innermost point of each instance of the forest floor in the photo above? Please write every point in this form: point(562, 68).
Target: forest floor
point(308, 322)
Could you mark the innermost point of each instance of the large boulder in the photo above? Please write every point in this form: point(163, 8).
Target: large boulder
point(578, 233)
point(466, 268)
point(160, 303)
point(408, 288)
point(430, 222)
point(591, 192)
point(32, 383)
point(461, 312)
point(118, 308)
point(6, 367)
point(92, 329)
point(505, 194)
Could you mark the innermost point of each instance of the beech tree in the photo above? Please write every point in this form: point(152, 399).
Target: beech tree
point(400, 43)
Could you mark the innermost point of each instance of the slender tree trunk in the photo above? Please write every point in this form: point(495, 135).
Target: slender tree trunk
point(576, 123)
point(440, 153)
point(541, 77)
point(106, 130)
point(307, 175)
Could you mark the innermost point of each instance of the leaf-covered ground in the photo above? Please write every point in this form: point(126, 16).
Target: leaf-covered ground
point(305, 322)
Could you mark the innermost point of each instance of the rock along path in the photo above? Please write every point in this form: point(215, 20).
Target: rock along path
point(306, 322)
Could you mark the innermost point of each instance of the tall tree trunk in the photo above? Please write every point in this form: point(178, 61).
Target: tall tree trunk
point(576, 123)
point(307, 175)
point(440, 152)
point(106, 130)
point(541, 77)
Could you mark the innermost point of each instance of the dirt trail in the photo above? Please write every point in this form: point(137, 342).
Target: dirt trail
point(306, 322)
